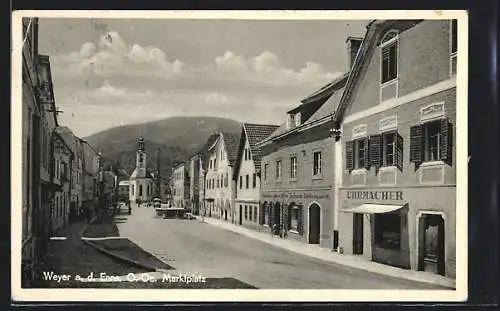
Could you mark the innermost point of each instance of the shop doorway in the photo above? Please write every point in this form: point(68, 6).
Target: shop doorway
point(241, 215)
point(314, 223)
point(357, 239)
point(276, 214)
point(431, 243)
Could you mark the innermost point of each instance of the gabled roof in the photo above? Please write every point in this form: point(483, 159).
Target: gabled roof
point(254, 133)
point(231, 142)
point(370, 41)
point(206, 147)
point(335, 90)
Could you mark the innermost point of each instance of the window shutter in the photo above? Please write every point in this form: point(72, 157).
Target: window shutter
point(300, 221)
point(367, 153)
point(399, 152)
point(416, 140)
point(446, 141)
point(349, 155)
point(376, 151)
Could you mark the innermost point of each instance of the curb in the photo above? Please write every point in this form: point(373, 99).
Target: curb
point(121, 258)
point(115, 256)
point(444, 283)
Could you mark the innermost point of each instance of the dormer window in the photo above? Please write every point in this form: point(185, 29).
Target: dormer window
point(297, 119)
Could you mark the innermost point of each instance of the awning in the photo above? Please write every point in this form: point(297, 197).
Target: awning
point(373, 208)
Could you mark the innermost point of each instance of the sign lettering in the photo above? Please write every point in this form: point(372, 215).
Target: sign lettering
point(375, 195)
point(295, 196)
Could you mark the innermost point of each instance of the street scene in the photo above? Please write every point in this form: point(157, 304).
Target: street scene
point(239, 154)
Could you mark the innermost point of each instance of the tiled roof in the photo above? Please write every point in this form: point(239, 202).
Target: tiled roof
point(231, 142)
point(329, 107)
point(256, 133)
point(204, 150)
point(335, 90)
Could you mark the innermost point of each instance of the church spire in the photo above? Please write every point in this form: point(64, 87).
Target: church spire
point(140, 143)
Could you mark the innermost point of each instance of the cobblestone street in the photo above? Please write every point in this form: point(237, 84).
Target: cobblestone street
point(200, 248)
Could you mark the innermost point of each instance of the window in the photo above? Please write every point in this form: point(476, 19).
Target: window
point(386, 150)
point(278, 169)
point(246, 212)
point(241, 181)
point(293, 167)
point(255, 213)
point(317, 164)
point(266, 169)
point(266, 213)
point(453, 36)
point(246, 154)
point(431, 141)
point(389, 50)
point(246, 181)
point(360, 153)
point(254, 180)
point(250, 213)
point(388, 230)
point(294, 218)
point(140, 190)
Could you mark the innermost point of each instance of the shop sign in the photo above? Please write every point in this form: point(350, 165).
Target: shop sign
point(375, 195)
point(295, 195)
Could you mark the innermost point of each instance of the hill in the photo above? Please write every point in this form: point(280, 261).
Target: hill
point(177, 137)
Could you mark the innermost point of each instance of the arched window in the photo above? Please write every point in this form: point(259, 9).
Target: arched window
point(140, 190)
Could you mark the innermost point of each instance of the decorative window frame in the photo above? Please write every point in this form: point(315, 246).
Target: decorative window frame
point(359, 131)
point(432, 112)
point(294, 179)
point(280, 178)
point(322, 152)
point(395, 80)
point(388, 124)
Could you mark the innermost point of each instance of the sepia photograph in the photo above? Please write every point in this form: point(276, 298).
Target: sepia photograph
point(245, 156)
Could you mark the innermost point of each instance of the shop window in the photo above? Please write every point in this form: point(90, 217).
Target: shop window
point(278, 170)
point(294, 218)
point(250, 213)
point(389, 50)
point(267, 211)
point(317, 163)
point(246, 212)
point(255, 213)
point(431, 141)
point(388, 230)
point(254, 180)
point(386, 150)
point(293, 167)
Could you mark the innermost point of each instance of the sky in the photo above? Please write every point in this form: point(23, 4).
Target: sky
point(111, 72)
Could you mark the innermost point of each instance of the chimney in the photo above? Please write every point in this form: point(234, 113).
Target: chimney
point(353, 45)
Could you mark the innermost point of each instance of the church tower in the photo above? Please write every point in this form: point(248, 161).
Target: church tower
point(141, 181)
point(140, 162)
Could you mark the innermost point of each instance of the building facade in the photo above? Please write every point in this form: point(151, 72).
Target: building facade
point(90, 177)
point(123, 190)
point(141, 180)
point(194, 183)
point(220, 187)
point(203, 157)
point(247, 173)
point(181, 189)
point(397, 118)
point(76, 171)
point(63, 162)
point(297, 170)
point(39, 119)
